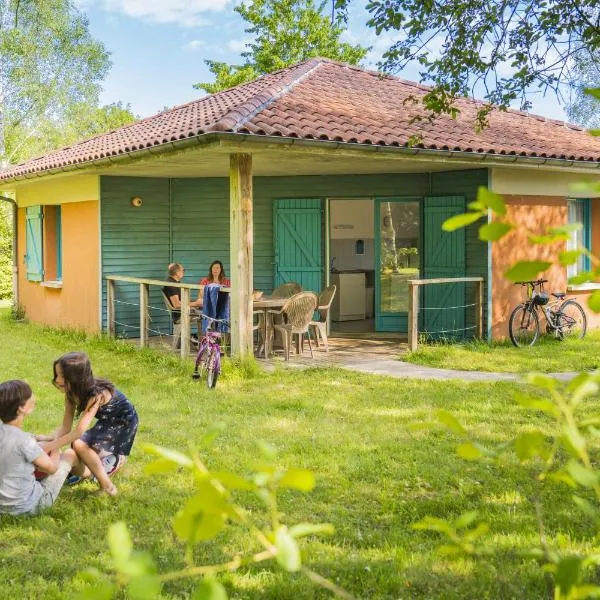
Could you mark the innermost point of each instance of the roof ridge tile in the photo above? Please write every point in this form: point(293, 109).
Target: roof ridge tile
point(263, 99)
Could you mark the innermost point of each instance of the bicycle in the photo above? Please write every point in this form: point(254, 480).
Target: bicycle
point(564, 318)
point(208, 358)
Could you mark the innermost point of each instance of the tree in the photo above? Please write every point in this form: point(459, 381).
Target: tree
point(585, 109)
point(48, 63)
point(284, 32)
point(80, 121)
point(5, 251)
point(500, 49)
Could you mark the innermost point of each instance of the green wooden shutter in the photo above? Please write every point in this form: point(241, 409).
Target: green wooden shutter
point(298, 245)
point(33, 237)
point(59, 243)
point(443, 256)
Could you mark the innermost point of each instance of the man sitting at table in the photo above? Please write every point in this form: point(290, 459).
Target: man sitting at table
point(175, 272)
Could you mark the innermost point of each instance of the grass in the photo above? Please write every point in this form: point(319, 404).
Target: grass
point(549, 355)
point(376, 476)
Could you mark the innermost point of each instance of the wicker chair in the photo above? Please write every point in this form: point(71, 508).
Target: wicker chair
point(286, 290)
point(323, 306)
point(296, 315)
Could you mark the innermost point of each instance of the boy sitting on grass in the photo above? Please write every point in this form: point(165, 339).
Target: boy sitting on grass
point(20, 454)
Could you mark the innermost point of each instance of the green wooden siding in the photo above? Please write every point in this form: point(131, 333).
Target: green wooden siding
point(187, 220)
point(135, 242)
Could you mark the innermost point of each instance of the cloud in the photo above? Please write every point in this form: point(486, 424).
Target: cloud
point(238, 45)
point(193, 46)
point(185, 13)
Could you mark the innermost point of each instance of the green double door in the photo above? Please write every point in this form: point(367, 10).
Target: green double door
point(410, 244)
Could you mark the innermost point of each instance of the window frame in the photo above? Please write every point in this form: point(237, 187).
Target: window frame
point(586, 222)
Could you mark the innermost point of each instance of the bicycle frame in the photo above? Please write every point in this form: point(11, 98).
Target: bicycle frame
point(210, 341)
point(209, 351)
point(547, 309)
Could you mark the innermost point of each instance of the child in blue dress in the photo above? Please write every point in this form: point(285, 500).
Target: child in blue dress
point(110, 439)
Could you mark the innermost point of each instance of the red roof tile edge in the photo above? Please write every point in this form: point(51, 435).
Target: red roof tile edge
point(235, 118)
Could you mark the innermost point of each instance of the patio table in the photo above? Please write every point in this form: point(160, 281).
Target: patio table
point(265, 304)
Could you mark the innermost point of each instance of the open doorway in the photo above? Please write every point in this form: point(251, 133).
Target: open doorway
point(352, 264)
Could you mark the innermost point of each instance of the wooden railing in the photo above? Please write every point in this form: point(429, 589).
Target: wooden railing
point(144, 305)
point(413, 305)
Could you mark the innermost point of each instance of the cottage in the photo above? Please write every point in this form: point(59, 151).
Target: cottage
point(308, 174)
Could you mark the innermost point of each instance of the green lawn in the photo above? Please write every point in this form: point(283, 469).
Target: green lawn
point(376, 476)
point(549, 355)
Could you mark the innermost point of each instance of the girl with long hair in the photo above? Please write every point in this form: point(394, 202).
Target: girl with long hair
point(87, 397)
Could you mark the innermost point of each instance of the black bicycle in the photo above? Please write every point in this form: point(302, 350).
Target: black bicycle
point(564, 318)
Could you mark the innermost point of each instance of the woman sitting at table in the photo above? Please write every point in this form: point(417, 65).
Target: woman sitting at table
point(216, 274)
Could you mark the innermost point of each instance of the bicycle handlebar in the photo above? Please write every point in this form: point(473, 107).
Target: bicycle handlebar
point(536, 282)
point(212, 320)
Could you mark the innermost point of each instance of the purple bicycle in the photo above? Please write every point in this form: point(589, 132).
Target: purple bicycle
point(208, 360)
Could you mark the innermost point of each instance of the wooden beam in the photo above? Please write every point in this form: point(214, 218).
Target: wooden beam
point(479, 310)
point(158, 282)
point(144, 315)
point(413, 316)
point(241, 252)
point(110, 308)
point(185, 322)
point(444, 280)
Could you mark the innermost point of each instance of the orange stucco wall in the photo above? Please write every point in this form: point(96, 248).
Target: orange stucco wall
point(76, 303)
point(536, 214)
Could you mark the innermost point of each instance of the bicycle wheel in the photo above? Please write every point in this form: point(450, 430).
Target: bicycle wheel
point(212, 369)
point(571, 319)
point(523, 326)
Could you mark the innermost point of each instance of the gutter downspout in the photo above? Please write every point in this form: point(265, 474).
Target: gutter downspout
point(15, 283)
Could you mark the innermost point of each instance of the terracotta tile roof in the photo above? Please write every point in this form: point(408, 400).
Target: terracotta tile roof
point(324, 100)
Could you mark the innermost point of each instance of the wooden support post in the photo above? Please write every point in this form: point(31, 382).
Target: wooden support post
point(241, 239)
point(479, 309)
point(110, 307)
point(144, 294)
point(185, 322)
point(413, 316)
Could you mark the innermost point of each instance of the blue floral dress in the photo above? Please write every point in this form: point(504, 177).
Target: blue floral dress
point(115, 428)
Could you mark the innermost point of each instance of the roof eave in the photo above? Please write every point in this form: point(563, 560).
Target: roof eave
point(489, 159)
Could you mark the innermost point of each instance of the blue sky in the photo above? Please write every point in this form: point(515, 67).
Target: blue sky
point(158, 48)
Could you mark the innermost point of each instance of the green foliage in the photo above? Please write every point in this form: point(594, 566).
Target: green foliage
point(559, 453)
point(284, 32)
point(584, 108)
point(5, 250)
point(526, 270)
point(204, 516)
point(80, 120)
point(505, 46)
point(49, 63)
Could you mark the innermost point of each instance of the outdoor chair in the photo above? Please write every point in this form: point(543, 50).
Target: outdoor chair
point(296, 316)
point(176, 318)
point(286, 290)
point(323, 305)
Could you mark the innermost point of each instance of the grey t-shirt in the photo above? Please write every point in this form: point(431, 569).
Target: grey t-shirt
point(19, 491)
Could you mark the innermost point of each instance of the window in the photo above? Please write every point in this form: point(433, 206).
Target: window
point(359, 247)
point(43, 241)
point(580, 212)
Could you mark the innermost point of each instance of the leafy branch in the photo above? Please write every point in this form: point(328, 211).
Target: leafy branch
point(201, 519)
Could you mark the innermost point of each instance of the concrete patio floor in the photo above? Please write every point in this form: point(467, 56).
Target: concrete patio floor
point(377, 356)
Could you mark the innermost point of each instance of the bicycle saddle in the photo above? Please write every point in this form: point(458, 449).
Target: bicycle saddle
point(559, 295)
